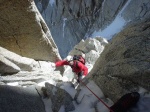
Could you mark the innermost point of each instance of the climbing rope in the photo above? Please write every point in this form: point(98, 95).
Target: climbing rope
point(97, 96)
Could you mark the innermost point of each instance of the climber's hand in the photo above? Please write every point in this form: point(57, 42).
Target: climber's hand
point(53, 65)
point(80, 78)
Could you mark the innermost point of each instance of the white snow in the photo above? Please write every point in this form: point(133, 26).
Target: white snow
point(42, 84)
point(52, 2)
point(103, 6)
point(64, 24)
point(115, 27)
point(67, 87)
point(86, 100)
point(13, 84)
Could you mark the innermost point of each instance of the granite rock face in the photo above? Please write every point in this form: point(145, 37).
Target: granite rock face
point(124, 63)
point(70, 21)
point(24, 31)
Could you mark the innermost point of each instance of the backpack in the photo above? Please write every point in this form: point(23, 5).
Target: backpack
point(79, 58)
point(126, 102)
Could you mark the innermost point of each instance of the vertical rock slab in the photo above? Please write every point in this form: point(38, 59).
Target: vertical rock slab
point(24, 31)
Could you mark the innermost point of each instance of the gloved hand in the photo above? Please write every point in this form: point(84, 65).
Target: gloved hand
point(80, 78)
point(53, 65)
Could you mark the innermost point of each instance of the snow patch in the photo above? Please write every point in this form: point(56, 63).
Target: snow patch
point(13, 84)
point(115, 27)
point(68, 88)
point(52, 2)
point(64, 24)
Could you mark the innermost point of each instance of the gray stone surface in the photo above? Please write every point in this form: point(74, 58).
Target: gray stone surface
point(24, 63)
point(124, 63)
point(59, 97)
point(15, 99)
point(138, 9)
point(7, 67)
point(24, 31)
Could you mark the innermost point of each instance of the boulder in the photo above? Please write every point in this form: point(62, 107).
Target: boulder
point(24, 31)
point(59, 97)
point(7, 67)
point(25, 64)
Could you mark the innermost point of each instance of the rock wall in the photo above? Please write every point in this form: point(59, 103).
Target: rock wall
point(124, 64)
point(24, 32)
point(16, 99)
point(70, 21)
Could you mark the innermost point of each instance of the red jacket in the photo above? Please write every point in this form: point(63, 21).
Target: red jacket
point(77, 66)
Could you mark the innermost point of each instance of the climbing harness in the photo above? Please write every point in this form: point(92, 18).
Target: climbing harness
point(97, 96)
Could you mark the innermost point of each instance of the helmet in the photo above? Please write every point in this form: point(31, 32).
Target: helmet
point(69, 58)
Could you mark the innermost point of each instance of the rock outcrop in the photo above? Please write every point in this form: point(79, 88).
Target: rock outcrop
point(24, 63)
point(59, 97)
point(24, 31)
point(124, 64)
point(7, 67)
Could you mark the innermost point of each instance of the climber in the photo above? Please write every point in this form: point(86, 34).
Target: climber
point(77, 66)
